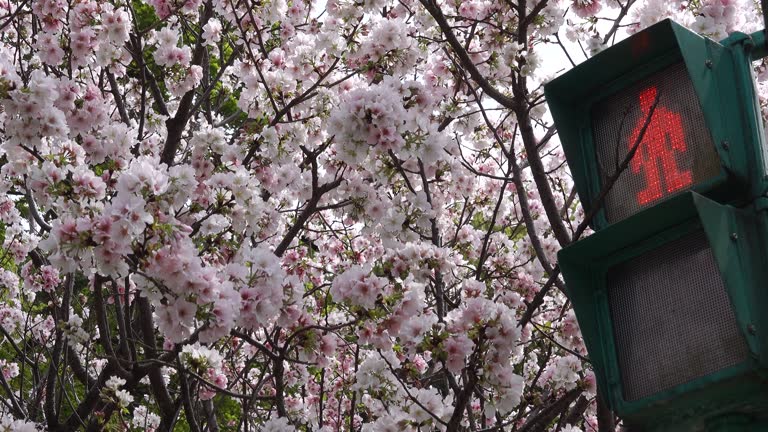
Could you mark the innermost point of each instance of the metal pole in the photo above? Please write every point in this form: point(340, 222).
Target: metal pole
point(759, 49)
point(764, 8)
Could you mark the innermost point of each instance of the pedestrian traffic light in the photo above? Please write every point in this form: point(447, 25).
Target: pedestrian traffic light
point(703, 121)
point(663, 136)
point(671, 304)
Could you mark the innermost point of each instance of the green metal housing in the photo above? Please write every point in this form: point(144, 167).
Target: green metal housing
point(738, 241)
point(722, 78)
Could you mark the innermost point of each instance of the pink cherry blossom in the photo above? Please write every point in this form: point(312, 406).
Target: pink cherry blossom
point(325, 214)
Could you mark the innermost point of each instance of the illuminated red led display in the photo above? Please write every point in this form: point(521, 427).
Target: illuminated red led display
point(656, 153)
point(675, 153)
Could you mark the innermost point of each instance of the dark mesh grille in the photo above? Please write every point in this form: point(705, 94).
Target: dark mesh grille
point(675, 153)
point(672, 319)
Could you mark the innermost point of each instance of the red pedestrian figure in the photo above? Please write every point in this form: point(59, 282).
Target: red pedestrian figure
point(665, 126)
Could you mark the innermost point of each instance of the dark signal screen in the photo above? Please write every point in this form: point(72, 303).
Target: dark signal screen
point(672, 319)
point(674, 152)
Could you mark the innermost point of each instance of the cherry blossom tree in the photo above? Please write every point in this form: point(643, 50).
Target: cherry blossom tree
point(271, 215)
